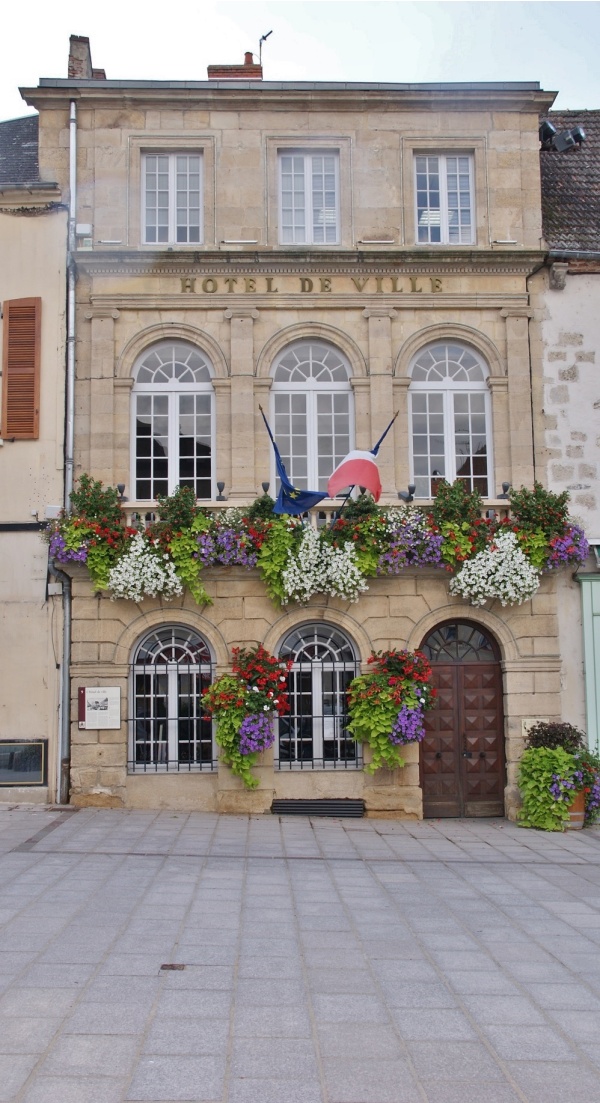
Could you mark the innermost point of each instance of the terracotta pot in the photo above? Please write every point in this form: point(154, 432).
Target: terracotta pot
point(576, 813)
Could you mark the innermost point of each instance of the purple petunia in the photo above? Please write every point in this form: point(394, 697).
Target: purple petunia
point(571, 547)
point(225, 547)
point(256, 732)
point(411, 545)
point(60, 551)
point(409, 726)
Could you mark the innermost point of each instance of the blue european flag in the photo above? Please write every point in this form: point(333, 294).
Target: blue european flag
point(290, 499)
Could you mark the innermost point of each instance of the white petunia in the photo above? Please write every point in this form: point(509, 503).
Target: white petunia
point(502, 571)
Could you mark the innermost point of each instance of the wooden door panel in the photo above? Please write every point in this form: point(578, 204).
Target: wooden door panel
point(462, 755)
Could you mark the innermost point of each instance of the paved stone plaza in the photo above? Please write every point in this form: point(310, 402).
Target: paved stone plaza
point(325, 961)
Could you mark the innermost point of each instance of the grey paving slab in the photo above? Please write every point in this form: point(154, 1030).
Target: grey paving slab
point(324, 961)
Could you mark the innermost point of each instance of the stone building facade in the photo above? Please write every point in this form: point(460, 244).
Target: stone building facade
point(327, 252)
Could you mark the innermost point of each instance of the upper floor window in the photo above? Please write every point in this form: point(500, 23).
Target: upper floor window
point(450, 419)
point(309, 198)
point(172, 198)
point(172, 431)
point(312, 411)
point(444, 199)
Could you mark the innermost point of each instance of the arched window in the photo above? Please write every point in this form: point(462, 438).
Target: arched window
point(173, 430)
point(460, 642)
point(450, 419)
point(313, 735)
point(171, 668)
point(313, 413)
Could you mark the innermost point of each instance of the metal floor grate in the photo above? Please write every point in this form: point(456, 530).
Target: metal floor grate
point(346, 808)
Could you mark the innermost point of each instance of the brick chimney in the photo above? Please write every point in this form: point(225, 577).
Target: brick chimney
point(247, 71)
point(80, 60)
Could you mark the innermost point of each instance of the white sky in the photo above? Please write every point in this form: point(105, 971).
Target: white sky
point(554, 43)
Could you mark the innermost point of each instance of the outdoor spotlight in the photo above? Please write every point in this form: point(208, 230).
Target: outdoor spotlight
point(407, 495)
point(563, 141)
point(220, 495)
point(546, 134)
point(265, 486)
point(121, 490)
point(578, 133)
point(505, 490)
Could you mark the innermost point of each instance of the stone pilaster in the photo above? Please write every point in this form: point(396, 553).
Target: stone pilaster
point(243, 481)
point(380, 374)
point(101, 384)
point(519, 395)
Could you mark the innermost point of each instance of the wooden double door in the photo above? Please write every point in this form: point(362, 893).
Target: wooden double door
point(462, 754)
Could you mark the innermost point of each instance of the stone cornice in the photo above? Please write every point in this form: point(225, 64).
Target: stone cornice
point(352, 301)
point(271, 95)
point(399, 262)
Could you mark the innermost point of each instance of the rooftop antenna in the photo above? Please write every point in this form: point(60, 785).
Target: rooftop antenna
point(260, 45)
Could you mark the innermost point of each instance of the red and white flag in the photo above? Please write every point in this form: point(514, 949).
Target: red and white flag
point(357, 469)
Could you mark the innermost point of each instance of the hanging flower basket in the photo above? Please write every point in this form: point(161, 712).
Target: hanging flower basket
point(386, 707)
point(245, 704)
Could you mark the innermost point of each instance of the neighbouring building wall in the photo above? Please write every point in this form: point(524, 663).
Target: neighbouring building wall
point(569, 436)
point(33, 266)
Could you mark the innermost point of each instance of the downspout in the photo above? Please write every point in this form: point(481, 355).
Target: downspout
point(64, 758)
point(537, 269)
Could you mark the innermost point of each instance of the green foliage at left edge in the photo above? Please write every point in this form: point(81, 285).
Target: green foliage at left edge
point(371, 721)
point(228, 739)
point(536, 769)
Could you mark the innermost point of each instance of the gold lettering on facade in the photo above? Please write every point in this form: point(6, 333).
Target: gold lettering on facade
point(384, 285)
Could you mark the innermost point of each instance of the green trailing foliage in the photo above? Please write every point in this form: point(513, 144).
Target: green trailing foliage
point(273, 557)
point(538, 768)
point(227, 736)
point(373, 725)
point(183, 547)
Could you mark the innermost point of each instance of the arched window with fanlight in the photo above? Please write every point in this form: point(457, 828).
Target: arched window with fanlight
point(314, 735)
point(312, 411)
point(168, 731)
point(450, 416)
point(172, 421)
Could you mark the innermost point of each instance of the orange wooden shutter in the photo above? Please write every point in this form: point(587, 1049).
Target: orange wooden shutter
point(21, 369)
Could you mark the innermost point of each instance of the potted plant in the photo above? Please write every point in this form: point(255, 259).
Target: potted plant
point(559, 779)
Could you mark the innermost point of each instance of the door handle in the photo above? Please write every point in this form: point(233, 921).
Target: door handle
point(467, 754)
point(482, 754)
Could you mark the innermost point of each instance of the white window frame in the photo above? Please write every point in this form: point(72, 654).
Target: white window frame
point(311, 388)
point(444, 220)
point(309, 156)
point(448, 388)
point(173, 389)
point(172, 156)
